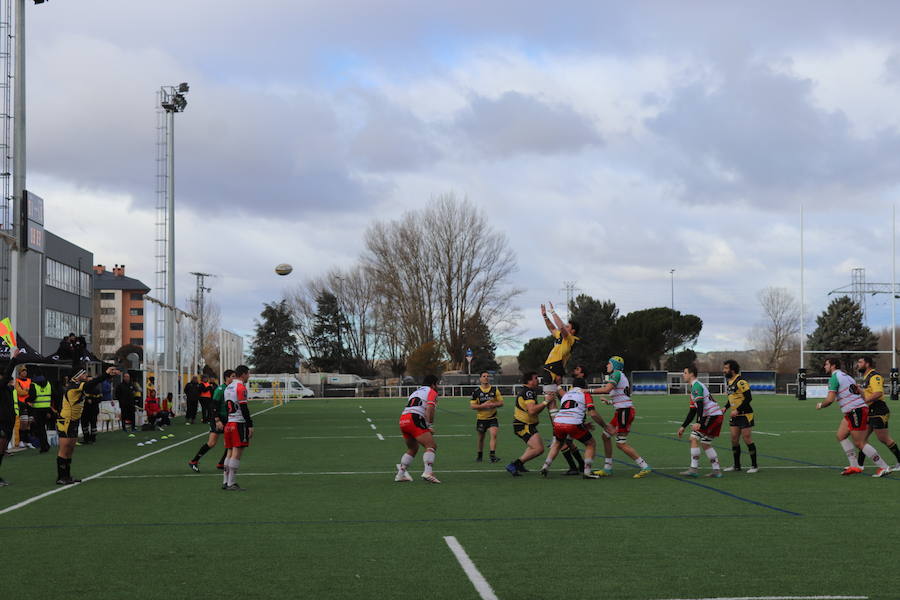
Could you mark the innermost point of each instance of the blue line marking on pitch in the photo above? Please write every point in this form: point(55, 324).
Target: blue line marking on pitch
point(718, 491)
point(379, 521)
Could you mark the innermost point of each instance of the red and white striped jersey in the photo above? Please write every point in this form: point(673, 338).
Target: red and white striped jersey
point(235, 395)
point(701, 398)
point(419, 400)
point(573, 407)
point(620, 395)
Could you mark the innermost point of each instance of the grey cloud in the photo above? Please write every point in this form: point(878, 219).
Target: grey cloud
point(757, 137)
point(892, 69)
point(391, 138)
point(519, 124)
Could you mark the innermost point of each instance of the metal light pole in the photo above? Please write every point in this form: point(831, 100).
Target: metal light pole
point(172, 101)
point(672, 276)
point(18, 162)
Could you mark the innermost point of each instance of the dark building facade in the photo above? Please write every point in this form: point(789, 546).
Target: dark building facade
point(66, 290)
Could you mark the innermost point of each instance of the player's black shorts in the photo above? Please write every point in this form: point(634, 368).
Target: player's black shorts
point(67, 428)
point(555, 371)
point(524, 430)
point(742, 421)
point(212, 426)
point(482, 425)
point(879, 407)
point(878, 421)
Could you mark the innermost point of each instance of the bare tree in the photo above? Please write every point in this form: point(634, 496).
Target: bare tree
point(778, 332)
point(436, 268)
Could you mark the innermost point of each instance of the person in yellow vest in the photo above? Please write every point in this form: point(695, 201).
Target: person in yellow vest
point(23, 417)
point(39, 403)
point(71, 407)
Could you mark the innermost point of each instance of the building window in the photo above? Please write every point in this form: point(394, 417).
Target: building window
point(69, 279)
point(136, 312)
point(107, 311)
point(107, 341)
point(59, 324)
point(137, 341)
point(107, 296)
point(137, 296)
point(136, 326)
point(107, 326)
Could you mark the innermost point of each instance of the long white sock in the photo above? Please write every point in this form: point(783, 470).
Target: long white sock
point(869, 451)
point(850, 451)
point(232, 473)
point(428, 459)
point(405, 461)
point(695, 458)
point(227, 464)
point(607, 464)
point(639, 461)
point(588, 465)
point(713, 458)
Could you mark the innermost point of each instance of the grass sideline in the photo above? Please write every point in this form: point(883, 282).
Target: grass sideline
point(324, 519)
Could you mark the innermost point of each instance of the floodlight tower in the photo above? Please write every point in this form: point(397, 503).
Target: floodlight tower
point(171, 100)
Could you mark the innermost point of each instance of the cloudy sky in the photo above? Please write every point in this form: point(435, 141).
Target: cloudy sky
point(611, 141)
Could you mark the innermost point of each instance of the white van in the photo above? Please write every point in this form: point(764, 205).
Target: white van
point(263, 386)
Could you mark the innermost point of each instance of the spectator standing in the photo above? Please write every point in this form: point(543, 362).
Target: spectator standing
point(192, 395)
point(39, 399)
point(125, 397)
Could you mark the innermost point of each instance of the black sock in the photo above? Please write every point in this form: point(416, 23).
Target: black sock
point(518, 463)
point(736, 452)
point(203, 450)
point(893, 448)
point(60, 467)
point(224, 456)
point(567, 454)
point(480, 454)
point(752, 449)
point(493, 452)
point(577, 454)
point(3, 443)
point(68, 468)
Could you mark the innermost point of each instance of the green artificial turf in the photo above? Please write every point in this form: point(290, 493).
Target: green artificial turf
point(323, 518)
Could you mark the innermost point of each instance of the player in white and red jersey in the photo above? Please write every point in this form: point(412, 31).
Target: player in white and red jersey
point(415, 424)
point(620, 397)
point(708, 426)
point(843, 389)
point(568, 422)
point(239, 428)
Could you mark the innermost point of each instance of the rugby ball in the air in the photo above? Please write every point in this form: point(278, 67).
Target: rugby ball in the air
point(284, 269)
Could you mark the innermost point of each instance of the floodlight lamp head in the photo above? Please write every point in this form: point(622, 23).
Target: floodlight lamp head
point(39, 1)
point(183, 88)
point(180, 102)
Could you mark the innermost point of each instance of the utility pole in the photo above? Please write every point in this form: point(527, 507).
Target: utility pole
point(672, 275)
point(199, 309)
point(569, 288)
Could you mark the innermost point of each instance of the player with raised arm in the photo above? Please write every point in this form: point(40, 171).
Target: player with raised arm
point(564, 338)
point(879, 413)
point(707, 428)
point(574, 407)
point(239, 429)
point(855, 424)
point(619, 392)
point(740, 415)
point(416, 426)
point(486, 399)
point(525, 422)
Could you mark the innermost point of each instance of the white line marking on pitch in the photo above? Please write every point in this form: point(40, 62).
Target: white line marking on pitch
point(481, 585)
point(766, 433)
point(372, 425)
point(380, 437)
point(109, 470)
point(369, 420)
point(366, 437)
point(783, 598)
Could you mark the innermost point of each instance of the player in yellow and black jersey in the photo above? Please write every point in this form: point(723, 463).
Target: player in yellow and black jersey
point(486, 400)
point(741, 414)
point(879, 413)
point(564, 339)
point(525, 421)
point(69, 409)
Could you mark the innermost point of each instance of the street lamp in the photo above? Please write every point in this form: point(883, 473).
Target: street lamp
point(172, 100)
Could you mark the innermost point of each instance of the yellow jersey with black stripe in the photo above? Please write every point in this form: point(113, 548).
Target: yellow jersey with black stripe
point(73, 398)
point(526, 397)
point(873, 383)
point(740, 396)
point(482, 395)
point(562, 348)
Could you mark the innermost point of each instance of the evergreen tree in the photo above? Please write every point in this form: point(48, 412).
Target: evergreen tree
point(840, 327)
point(427, 359)
point(329, 351)
point(642, 337)
point(680, 360)
point(477, 336)
point(274, 348)
point(533, 355)
point(596, 318)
